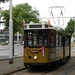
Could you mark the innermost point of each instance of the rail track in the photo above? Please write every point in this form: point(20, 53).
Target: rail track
point(66, 69)
point(69, 71)
point(16, 71)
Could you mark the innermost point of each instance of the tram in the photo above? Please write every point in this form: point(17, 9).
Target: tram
point(45, 45)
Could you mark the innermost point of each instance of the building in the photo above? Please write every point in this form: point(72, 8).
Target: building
point(4, 36)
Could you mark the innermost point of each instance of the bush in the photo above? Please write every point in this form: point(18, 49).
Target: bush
point(4, 43)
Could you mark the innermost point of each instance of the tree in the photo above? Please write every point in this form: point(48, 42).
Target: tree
point(3, 1)
point(20, 12)
point(70, 27)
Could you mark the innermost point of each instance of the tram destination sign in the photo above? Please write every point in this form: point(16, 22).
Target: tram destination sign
point(35, 26)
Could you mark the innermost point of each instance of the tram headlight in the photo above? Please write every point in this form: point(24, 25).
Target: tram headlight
point(35, 57)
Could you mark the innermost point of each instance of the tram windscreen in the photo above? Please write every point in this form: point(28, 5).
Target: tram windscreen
point(36, 38)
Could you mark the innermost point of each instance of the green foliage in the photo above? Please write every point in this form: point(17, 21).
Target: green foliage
point(70, 27)
point(20, 12)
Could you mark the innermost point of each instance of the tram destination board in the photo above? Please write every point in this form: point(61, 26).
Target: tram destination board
point(35, 26)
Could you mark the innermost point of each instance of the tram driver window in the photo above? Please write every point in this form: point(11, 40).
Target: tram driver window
point(45, 39)
point(34, 39)
point(40, 38)
point(29, 38)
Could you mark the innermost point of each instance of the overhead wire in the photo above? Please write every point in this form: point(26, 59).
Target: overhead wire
point(55, 2)
point(68, 3)
point(61, 13)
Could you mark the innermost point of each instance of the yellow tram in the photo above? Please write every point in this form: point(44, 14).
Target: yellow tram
point(45, 45)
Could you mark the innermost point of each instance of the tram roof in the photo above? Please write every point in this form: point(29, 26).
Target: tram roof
point(42, 25)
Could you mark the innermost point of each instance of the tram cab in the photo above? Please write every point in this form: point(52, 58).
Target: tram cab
point(44, 45)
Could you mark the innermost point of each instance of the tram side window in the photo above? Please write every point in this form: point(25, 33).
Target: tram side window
point(53, 38)
point(45, 39)
point(66, 41)
point(58, 40)
point(29, 38)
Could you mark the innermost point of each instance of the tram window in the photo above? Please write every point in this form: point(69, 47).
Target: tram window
point(30, 35)
point(66, 41)
point(29, 38)
point(53, 37)
point(25, 39)
point(37, 38)
point(34, 39)
point(45, 42)
point(40, 39)
point(29, 42)
point(45, 39)
point(58, 40)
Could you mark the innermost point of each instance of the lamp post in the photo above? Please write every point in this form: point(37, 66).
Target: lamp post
point(0, 13)
point(74, 35)
point(74, 28)
point(0, 16)
point(10, 35)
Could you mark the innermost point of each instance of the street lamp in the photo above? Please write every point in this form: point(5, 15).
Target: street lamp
point(10, 35)
point(74, 28)
point(74, 33)
point(0, 14)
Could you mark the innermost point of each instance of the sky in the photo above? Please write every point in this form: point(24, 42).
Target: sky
point(48, 7)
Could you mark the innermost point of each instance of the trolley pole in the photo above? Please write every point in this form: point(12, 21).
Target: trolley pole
point(10, 35)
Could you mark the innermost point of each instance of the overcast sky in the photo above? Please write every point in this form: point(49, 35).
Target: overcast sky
point(42, 6)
